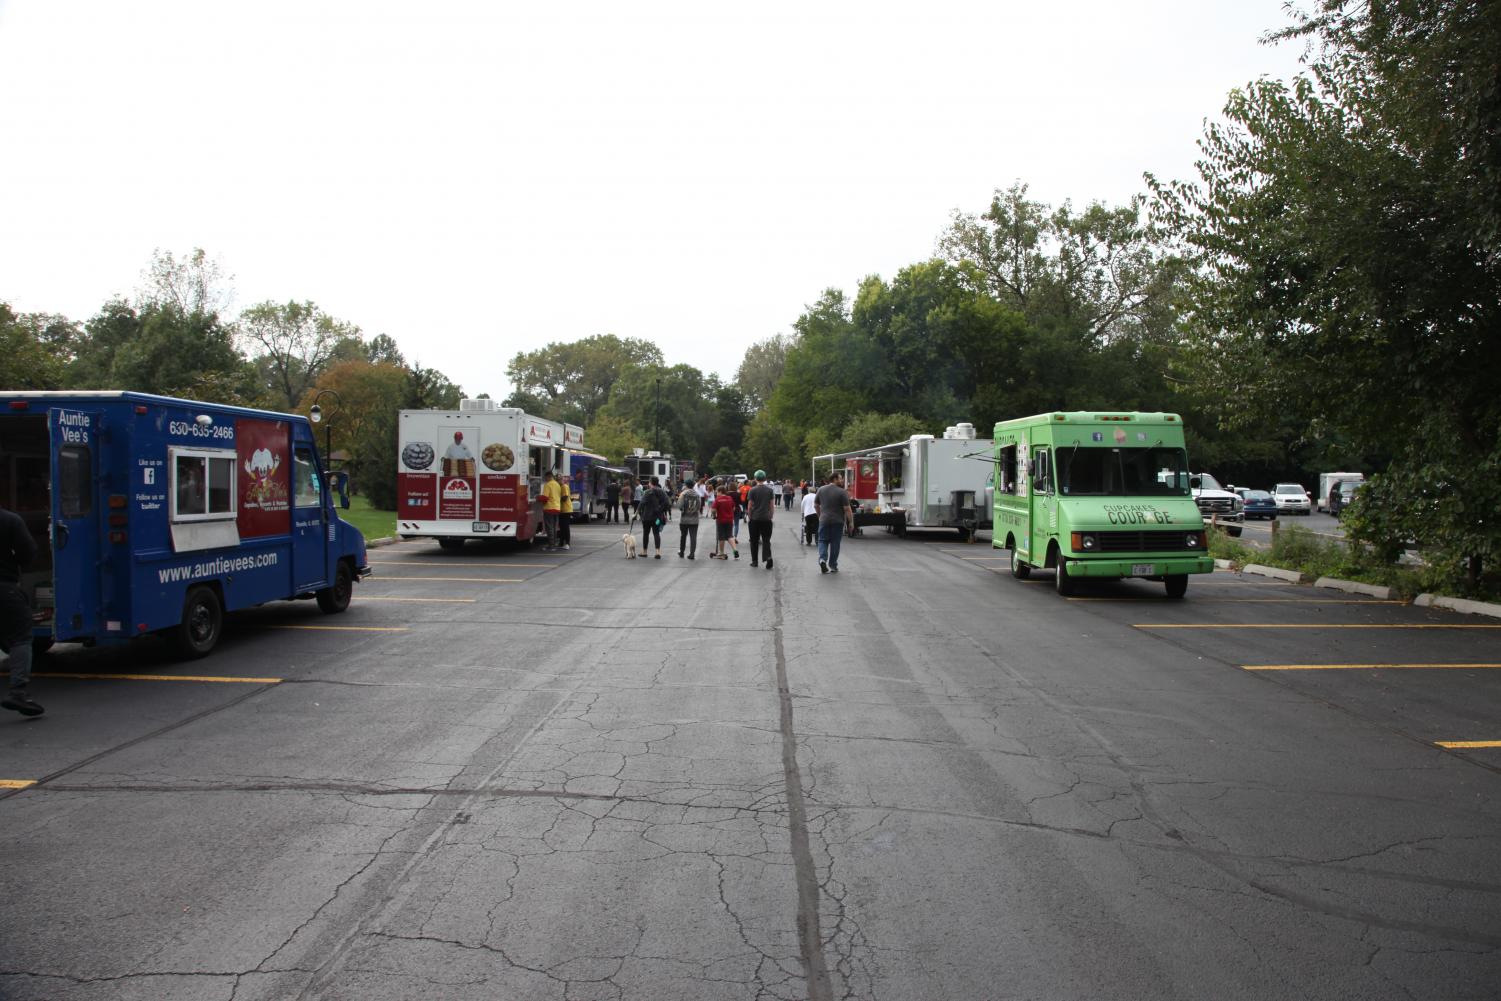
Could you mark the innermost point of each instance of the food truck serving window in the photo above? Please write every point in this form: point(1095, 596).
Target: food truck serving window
point(203, 484)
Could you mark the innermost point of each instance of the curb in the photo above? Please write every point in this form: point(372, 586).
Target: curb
point(1464, 605)
point(1223, 565)
point(1355, 587)
point(1288, 575)
point(377, 543)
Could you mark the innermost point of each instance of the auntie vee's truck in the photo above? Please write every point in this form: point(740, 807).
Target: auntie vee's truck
point(154, 514)
point(1098, 495)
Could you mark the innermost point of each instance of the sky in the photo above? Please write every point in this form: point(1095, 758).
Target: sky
point(478, 179)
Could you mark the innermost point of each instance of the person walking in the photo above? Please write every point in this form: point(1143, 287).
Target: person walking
point(552, 503)
point(689, 506)
point(652, 510)
point(626, 496)
point(738, 496)
point(789, 494)
point(565, 513)
point(761, 502)
point(833, 506)
point(724, 518)
point(810, 517)
point(17, 549)
point(612, 501)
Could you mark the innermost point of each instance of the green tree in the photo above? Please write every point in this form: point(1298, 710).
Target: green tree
point(292, 344)
point(1342, 243)
point(870, 430)
point(572, 381)
point(613, 437)
point(761, 368)
point(35, 349)
point(772, 446)
point(161, 349)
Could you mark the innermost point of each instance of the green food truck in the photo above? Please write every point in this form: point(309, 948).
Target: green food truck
point(1101, 495)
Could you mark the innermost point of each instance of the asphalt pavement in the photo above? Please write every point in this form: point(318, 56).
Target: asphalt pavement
point(575, 776)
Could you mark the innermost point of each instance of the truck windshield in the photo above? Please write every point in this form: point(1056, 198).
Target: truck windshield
point(1123, 472)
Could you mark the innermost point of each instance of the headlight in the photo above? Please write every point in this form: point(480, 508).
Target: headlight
point(1194, 540)
point(1083, 542)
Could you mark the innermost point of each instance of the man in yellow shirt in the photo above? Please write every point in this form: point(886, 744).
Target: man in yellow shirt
point(552, 504)
point(565, 514)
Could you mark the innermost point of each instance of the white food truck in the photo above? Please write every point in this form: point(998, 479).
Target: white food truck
point(921, 483)
point(475, 472)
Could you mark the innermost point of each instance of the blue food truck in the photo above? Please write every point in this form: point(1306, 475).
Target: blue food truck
point(158, 515)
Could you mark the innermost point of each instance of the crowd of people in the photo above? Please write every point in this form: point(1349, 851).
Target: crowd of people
point(825, 511)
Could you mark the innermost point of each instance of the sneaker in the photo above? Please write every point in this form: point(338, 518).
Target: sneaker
point(754, 563)
point(680, 554)
point(768, 563)
point(659, 556)
point(823, 567)
point(737, 554)
point(565, 547)
point(20, 702)
point(833, 569)
point(690, 556)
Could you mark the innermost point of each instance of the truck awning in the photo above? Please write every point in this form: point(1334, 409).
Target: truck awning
point(894, 448)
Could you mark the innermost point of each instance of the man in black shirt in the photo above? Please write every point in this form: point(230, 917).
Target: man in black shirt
point(760, 503)
point(16, 551)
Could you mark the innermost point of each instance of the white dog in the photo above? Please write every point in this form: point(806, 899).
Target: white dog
point(630, 545)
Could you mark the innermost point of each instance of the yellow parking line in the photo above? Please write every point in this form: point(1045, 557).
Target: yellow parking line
point(157, 677)
point(1356, 667)
point(16, 783)
point(449, 601)
point(1468, 743)
point(1299, 625)
point(449, 563)
point(386, 579)
point(347, 629)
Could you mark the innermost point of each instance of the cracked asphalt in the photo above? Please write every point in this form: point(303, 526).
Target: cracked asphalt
point(517, 775)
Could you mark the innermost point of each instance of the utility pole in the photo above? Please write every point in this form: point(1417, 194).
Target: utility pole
point(656, 430)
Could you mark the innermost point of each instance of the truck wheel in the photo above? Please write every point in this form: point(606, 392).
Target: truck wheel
point(1061, 580)
point(1176, 584)
point(202, 623)
point(1019, 570)
point(451, 545)
point(335, 599)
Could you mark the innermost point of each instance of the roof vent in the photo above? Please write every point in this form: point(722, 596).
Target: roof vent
point(484, 406)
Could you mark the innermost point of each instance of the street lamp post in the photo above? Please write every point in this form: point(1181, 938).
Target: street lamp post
point(317, 415)
point(656, 430)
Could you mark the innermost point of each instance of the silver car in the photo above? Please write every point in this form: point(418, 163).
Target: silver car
point(1291, 498)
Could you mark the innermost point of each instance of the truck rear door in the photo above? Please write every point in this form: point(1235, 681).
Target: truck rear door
point(77, 545)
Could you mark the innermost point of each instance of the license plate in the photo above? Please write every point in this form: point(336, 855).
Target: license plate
point(1143, 569)
point(480, 526)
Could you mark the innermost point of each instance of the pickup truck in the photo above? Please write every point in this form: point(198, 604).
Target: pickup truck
point(1215, 502)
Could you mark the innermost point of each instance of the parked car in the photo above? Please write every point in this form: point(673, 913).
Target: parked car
point(1291, 498)
point(1218, 504)
point(1341, 495)
point(1259, 503)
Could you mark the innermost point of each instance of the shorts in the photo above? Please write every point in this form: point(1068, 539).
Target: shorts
point(722, 530)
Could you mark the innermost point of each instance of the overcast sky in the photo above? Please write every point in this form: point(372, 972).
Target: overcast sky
point(478, 179)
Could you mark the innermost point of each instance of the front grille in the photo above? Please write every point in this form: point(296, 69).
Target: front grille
point(1173, 541)
point(1216, 505)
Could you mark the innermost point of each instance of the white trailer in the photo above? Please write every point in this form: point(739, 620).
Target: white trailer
point(926, 482)
point(1327, 482)
point(474, 473)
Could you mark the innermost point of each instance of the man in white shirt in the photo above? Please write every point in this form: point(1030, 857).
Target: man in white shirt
point(810, 518)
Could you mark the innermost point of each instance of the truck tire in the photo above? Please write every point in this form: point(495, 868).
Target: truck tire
point(202, 624)
point(335, 598)
point(451, 545)
point(1062, 581)
point(1176, 584)
point(1019, 570)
